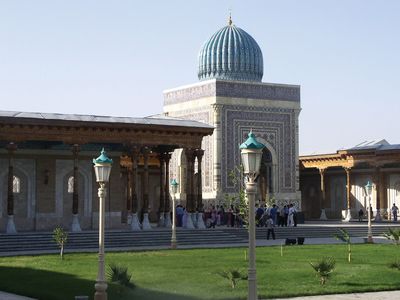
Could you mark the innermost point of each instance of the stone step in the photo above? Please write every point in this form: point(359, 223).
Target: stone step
point(43, 241)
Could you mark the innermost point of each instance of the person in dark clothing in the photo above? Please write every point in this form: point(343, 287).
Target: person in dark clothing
point(360, 215)
point(270, 228)
point(259, 214)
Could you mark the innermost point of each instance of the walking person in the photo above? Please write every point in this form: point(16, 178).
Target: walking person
point(395, 210)
point(360, 215)
point(270, 227)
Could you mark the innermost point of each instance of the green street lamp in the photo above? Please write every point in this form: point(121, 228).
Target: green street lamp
point(368, 189)
point(251, 152)
point(174, 189)
point(102, 168)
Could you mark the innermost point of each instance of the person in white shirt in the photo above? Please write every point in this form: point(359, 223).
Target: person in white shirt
point(292, 213)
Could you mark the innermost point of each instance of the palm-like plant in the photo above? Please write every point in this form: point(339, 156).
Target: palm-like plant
point(393, 235)
point(233, 276)
point(395, 265)
point(324, 268)
point(344, 236)
point(119, 274)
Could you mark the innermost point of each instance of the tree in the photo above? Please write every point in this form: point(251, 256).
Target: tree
point(324, 268)
point(344, 236)
point(233, 276)
point(393, 235)
point(239, 199)
point(60, 236)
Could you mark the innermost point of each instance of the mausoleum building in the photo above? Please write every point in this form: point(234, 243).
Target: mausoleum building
point(231, 97)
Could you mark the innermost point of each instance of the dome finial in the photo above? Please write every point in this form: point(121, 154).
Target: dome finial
point(230, 17)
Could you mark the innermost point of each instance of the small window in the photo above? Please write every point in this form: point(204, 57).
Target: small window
point(71, 185)
point(16, 185)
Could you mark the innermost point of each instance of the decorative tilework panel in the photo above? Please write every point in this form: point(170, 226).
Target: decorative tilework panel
point(275, 125)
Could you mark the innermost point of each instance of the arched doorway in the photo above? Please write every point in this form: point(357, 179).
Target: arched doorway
point(266, 182)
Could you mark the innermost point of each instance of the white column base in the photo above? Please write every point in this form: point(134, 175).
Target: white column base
point(378, 217)
point(161, 220)
point(146, 223)
point(189, 221)
point(10, 229)
point(129, 218)
point(135, 224)
point(200, 221)
point(167, 218)
point(75, 227)
point(323, 215)
point(348, 216)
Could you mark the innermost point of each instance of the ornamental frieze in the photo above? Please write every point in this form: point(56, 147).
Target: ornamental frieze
point(234, 89)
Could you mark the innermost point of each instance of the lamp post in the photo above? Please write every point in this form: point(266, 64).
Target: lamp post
point(102, 168)
point(174, 188)
point(368, 188)
point(251, 152)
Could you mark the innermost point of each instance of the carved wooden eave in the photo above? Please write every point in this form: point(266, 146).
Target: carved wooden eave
point(325, 161)
point(81, 132)
point(350, 159)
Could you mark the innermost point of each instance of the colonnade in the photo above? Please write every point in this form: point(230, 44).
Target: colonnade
point(378, 181)
point(138, 220)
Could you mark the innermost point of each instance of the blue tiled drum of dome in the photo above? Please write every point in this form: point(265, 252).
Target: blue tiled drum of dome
point(231, 54)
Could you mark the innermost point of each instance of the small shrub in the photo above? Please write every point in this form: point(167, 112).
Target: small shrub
point(119, 274)
point(324, 268)
point(233, 276)
point(60, 236)
point(393, 235)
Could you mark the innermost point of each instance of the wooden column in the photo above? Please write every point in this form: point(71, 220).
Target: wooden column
point(167, 197)
point(161, 158)
point(135, 157)
point(323, 194)
point(146, 223)
point(383, 192)
point(75, 192)
point(348, 193)
point(11, 148)
point(10, 228)
point(135, 223)
point(199, 155)
point(189, 180)
point(145, 152)
point(378, 188)
point(127, 177)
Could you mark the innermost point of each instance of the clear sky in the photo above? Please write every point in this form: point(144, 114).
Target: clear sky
point(116, 57)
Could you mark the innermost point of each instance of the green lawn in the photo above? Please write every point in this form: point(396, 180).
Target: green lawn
point(190, 274)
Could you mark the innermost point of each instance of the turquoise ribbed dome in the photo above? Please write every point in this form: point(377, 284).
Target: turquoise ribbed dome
point(231, 54)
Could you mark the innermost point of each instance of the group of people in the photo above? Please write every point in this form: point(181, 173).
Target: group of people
point(285, 216)
point(213, 216)
point(218, 215)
